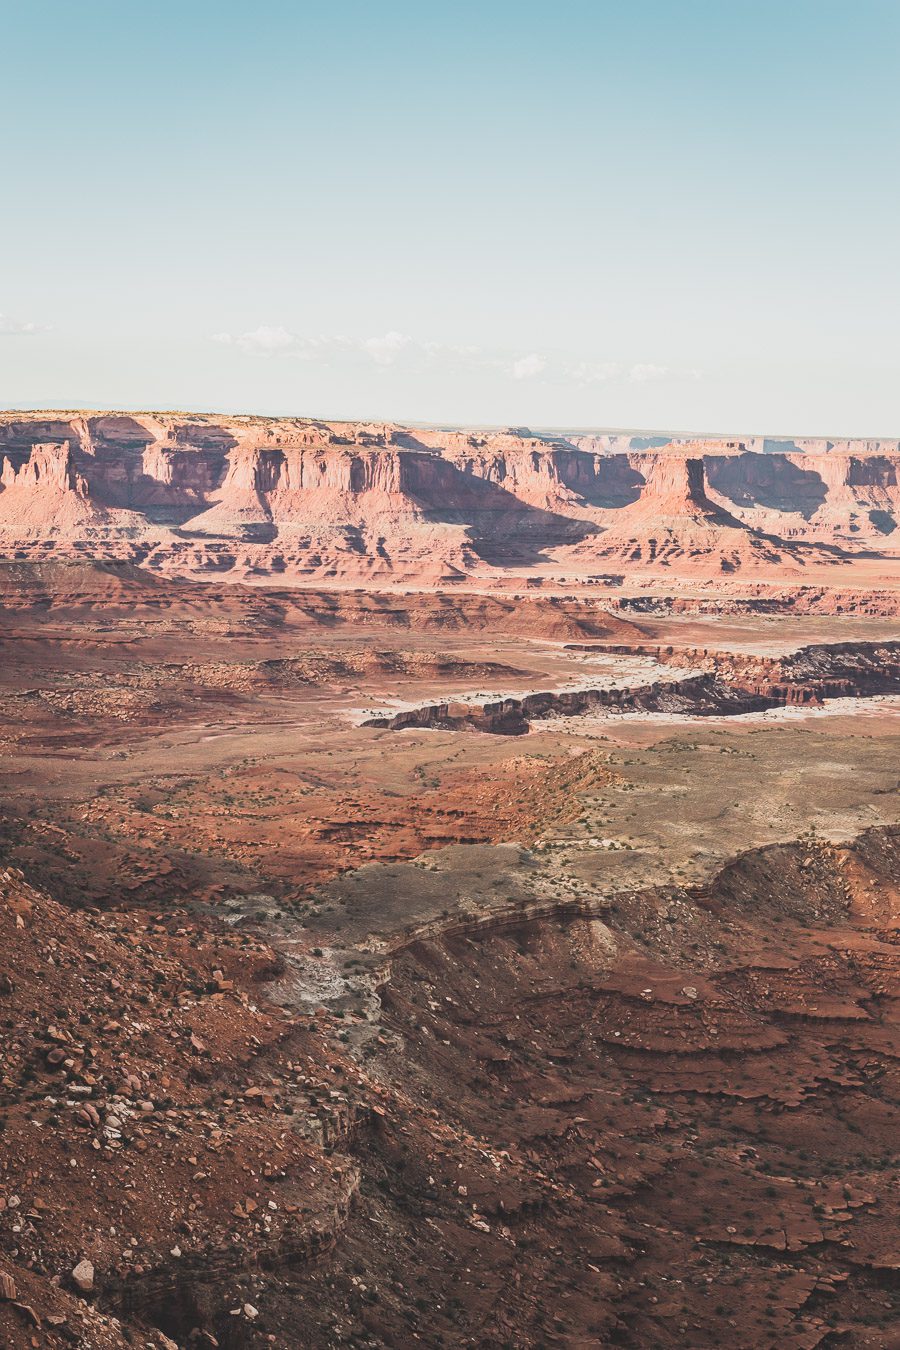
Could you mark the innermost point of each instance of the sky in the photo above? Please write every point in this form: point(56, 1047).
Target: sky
point(670, 214)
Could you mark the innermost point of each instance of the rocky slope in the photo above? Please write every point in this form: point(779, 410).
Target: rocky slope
point(145, 1103)
point(247, 496)
point(658, 1116)
point(34, 596)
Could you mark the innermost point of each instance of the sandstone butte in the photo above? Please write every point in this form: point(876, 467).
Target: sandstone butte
point(247, 498)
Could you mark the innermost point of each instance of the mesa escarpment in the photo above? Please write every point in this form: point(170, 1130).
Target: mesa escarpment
point(731, 685)
point(247, 497)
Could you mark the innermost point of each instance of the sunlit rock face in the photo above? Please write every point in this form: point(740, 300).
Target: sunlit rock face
point(294, 497)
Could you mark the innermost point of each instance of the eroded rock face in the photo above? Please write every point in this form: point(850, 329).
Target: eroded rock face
point(729, 686)
point(247, 496)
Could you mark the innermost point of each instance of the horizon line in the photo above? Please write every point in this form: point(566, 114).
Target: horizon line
point(589, 429)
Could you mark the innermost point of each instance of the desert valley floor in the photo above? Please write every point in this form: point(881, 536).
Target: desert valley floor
point(449, 888)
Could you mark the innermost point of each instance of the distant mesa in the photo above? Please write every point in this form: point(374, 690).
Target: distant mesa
point(299, 499)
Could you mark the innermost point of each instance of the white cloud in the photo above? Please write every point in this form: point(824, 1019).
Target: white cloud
point(642, 373)
point(274, 339)
point(267, 338)
point(10, 327)
point(393, 347)
point(596, 373)
point(384, 350)
point(527, 367)
point(466, 351)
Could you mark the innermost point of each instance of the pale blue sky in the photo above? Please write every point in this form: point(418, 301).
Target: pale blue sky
point(644, 213)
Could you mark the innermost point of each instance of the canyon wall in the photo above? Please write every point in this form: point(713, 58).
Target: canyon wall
point(245, 496)
point(729, 685)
